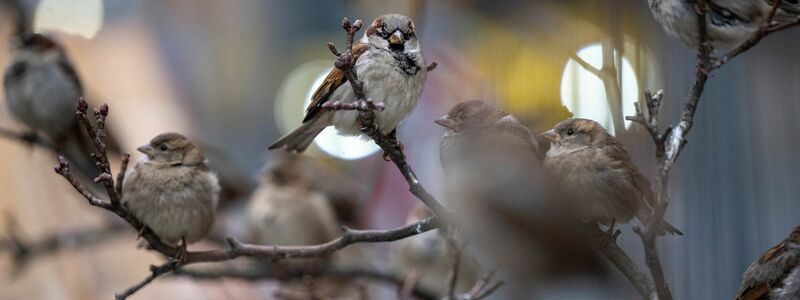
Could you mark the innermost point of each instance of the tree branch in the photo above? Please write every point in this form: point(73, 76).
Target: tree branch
point(236, 248)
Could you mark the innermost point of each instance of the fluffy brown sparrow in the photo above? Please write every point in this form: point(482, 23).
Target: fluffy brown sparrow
point(767, 273)
point(471, 120)
point(390, 64)
point(42, 91)
point(286, 209)
point(597, 168)
point(429, 255)
point(172, 190)
point(517, 216)
point(729, 22)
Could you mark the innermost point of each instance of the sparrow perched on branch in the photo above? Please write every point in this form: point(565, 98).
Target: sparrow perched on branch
point(286, 209)
point(768, 272)
point(494, 178)
point(390, 64)
point(42, 91)
point(730, 22)
point(597, 168)
point(476, 119)
point(172, 191)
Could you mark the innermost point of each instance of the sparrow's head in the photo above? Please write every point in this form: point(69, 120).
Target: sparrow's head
point(393, 32)
point(471, 114)
point(795, 236)
point(35, 42)
point(576, 132)
point(288, 169)
point(173, 149)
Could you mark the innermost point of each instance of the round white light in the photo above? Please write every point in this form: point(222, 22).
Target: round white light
point(329, 141)
point(584, 95)
point(84, 17)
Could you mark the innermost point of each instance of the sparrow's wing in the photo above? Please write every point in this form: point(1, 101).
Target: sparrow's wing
point(66, 66)
point(335, 79)
point(618, 153)
point(757, 292)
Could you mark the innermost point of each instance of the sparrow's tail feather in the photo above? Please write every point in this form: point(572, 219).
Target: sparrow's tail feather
point(76, 148)
point(299, 139)
point(665, 227)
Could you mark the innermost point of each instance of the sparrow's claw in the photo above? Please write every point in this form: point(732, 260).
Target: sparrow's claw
point(610, 235)
point(181, 256)
point(139, 233)
point(397, 144)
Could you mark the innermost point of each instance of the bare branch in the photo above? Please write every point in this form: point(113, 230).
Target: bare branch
point(29, 138)
point(155, 271)
point(769, 27)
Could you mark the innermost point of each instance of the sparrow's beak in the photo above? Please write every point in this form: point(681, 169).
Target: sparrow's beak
point(147, 150)
point(445, 122)
point(551, 135)
point(396, 38)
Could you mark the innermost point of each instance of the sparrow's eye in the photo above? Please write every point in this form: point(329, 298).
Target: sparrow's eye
point(570, 131)
point(163, 147)
point(407, 35)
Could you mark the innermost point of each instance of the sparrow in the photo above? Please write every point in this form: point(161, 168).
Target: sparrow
point(172, 191)
point(42, 91)
point(286, 209)
point(517, 215)
point(596, 167)
point(730, 22)
point(428, 254)
point(768, 272)
point(473, 120)
point(389, 62)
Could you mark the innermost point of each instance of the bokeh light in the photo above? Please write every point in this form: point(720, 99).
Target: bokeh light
point(584, 94)
point(83, 18)
point(301, 84)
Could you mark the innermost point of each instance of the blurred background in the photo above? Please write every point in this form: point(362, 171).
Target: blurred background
point(234, 75)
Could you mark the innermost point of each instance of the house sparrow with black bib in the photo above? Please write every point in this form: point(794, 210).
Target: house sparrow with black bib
point(172, 191)
point(730, 22)
point(42, 91)
point(471, 120)
point(390, 64)
point(768, 272)
point(597, 168)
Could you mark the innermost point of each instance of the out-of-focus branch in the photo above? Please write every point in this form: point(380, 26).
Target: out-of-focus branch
point(258, 274)
point(24, 250)
point(25, 138)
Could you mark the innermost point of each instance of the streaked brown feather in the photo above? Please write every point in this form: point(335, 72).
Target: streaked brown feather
point(758, 292)
point(334, 79)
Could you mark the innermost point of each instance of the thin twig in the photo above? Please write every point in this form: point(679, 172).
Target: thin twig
point(155, 271)
point(26, 138)
point(454, 250)
point(769, 27)
point(25, 250)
